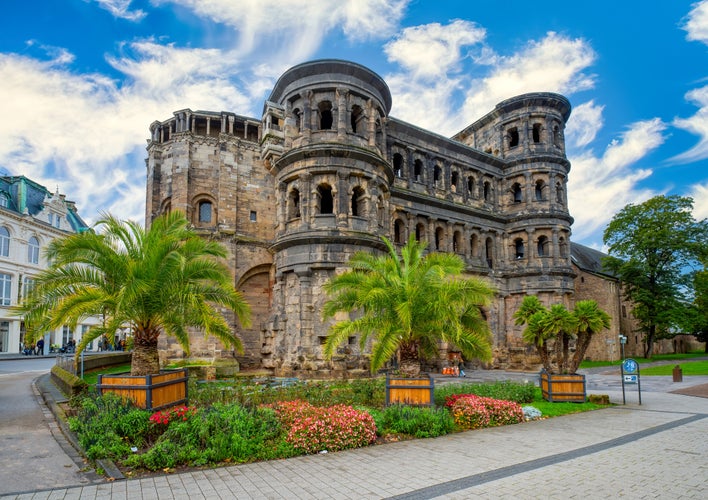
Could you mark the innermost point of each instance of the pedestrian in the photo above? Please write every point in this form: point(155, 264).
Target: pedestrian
point(40, 347)
point(461, 371)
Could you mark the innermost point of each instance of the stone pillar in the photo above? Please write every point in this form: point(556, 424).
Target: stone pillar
point(341, 200)
point(342, 113)
point(208, 128)
point(556, 247)
point(529, 193)
point(281, 197)
point(307, 198)
point(231, 124)
point(371, 131)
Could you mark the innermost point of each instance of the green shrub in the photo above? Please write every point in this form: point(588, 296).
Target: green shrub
point(230, 433)
point(506, 390)
point(418, 422)
point(108, 426)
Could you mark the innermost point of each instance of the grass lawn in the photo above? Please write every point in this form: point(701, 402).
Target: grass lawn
point(688, 367)
point(658, 357)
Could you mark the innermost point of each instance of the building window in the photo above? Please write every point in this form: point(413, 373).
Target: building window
point(358, 205)
point(57, 221)
point(4, 201)
point(5, 289)
point(420, 232)
point(325, 108)
point(418, 170)
point(33, 250)
point(398, 165)
point(516, 190)
point(297, 116)
point(454, 180)
point(456, 242)
point(473, 246)
point(27, 286)
point(357, 115)
point(253, 216)
point(513, 137)
point(326, 202)
point(543, 246)
point(437, 172)
point(4, 242)
point(204, 211)
point(519, 248)
point(439, 238)
point(398, 231)
point(294, 204)
point(50, 218)
point(67, 334)
point(470, 186)
point(536, 132)
point(539, 190)
point(487, 191)
point(489, 252)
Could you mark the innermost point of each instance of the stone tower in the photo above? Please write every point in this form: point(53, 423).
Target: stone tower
point(326, 172)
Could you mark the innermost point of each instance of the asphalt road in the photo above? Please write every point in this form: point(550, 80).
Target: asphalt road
point(30, 456)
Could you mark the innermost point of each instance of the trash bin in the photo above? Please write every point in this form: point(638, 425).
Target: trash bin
point(678, 374)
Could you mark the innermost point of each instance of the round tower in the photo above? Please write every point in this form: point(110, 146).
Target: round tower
point(325, 139)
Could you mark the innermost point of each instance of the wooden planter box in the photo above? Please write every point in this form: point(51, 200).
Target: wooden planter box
point(563, 387)
point(151, 392)
point(410, 391)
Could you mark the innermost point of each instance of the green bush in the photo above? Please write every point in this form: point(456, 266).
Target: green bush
point(108, 426)
point(418, 422)
point(505, 390)
point(223, 433)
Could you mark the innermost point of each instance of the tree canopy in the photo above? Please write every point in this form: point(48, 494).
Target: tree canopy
point(162, 280)
point(654, 249)
point(407, 305)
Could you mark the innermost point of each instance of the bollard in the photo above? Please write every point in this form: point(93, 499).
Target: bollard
point(678, 374)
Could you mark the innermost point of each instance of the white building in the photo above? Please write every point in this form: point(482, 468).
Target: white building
point(30, 218)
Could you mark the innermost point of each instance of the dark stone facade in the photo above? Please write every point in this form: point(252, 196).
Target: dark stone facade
point(326, 172)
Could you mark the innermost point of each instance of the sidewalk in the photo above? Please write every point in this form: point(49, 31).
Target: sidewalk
point(656, 450)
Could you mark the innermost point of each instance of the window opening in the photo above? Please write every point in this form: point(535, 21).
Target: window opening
point(204, 211)
point(436, 175)
point(356, 117)
point(33, 250)
point(536, 132)
point(516, 189)
point(543, 246)
point(456, 242)
point(27, 286)
point(326, 201)
point(513, 137)
point(4, 242)
point(294, 205)
point(298, 119)
point(358, 202)
point(473, 245)
point(539, 190)
point(5, 289)
point(454, 179)
point(418, 169)
point(420, 232)
point(489, 252)
point(487, 190)
point(519, 248)
point(398, 165)
point(325, 115)
point(470, 185)
point(559, 192)
point(398, 231)
point(4, 202)
point(438, 238)
point(253, 216)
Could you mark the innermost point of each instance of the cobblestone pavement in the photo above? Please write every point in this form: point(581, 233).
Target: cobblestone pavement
point(658, 449)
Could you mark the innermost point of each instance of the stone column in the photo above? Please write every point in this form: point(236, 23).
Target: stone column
point(341, 199)
point(556, 247)
point(342, 113)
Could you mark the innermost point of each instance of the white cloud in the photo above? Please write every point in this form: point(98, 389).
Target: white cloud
point(696, 124)
point(121, 9)
point(696, 22)
point(699, 193)
point(432, 50)
point(599, 187)
point(584, 124)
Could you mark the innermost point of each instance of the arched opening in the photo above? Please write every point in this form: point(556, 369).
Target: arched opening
point(326, 203)
point(358, 202)
point(513, 137)
point(457, 242)
point(420, 232)
point(536, 132)
point(470, 186)
point(543, 246)
point(487, 191)
point(325, 108)
point(517, 193)
point(454, 180)
point(294, 204)
point(398, 165)
point(297, 116)
point(356, 116)
point(559, 192)
point(556, 136)
point(489, 252)
point(33, 250)
point(418, 170)
point(439, 238)
point(540, 191)
point(399, 231)
point(437, 174)
point(519, 248)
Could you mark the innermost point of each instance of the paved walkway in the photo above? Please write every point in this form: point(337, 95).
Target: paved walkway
point(656, 450)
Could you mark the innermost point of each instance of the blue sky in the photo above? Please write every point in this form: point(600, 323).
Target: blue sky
point(81, 81)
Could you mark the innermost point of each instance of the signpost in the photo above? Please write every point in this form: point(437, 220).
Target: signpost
point(630, 372)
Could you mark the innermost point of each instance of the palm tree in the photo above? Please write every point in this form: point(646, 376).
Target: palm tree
point(165, 279)
point(406, 305)
point(558, 326)
point(589, 319)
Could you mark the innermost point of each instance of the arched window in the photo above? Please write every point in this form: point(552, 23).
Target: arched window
point(489, 252)
point(418, 170)
point(297, 116)
point(358, 202)
point(439, 238)
point(563, 247)
point(4, 242)
point(487, 191)
point(540, 187)
point(556, 136)
point(470, 186)
point(398, 165)
point(536, 132)
point(294, 204)
point(437, 174)
point(559, 192)
point(420, 232)
point(398, 231)
point(33, 250)
point(457, 242)
point(325, 108)
point(454, 180)
point(516, 192)
point(513, 137)
point(519, 248)
point(325, 199)
point(543, 246)
point(205, 211)
point(356, 116)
